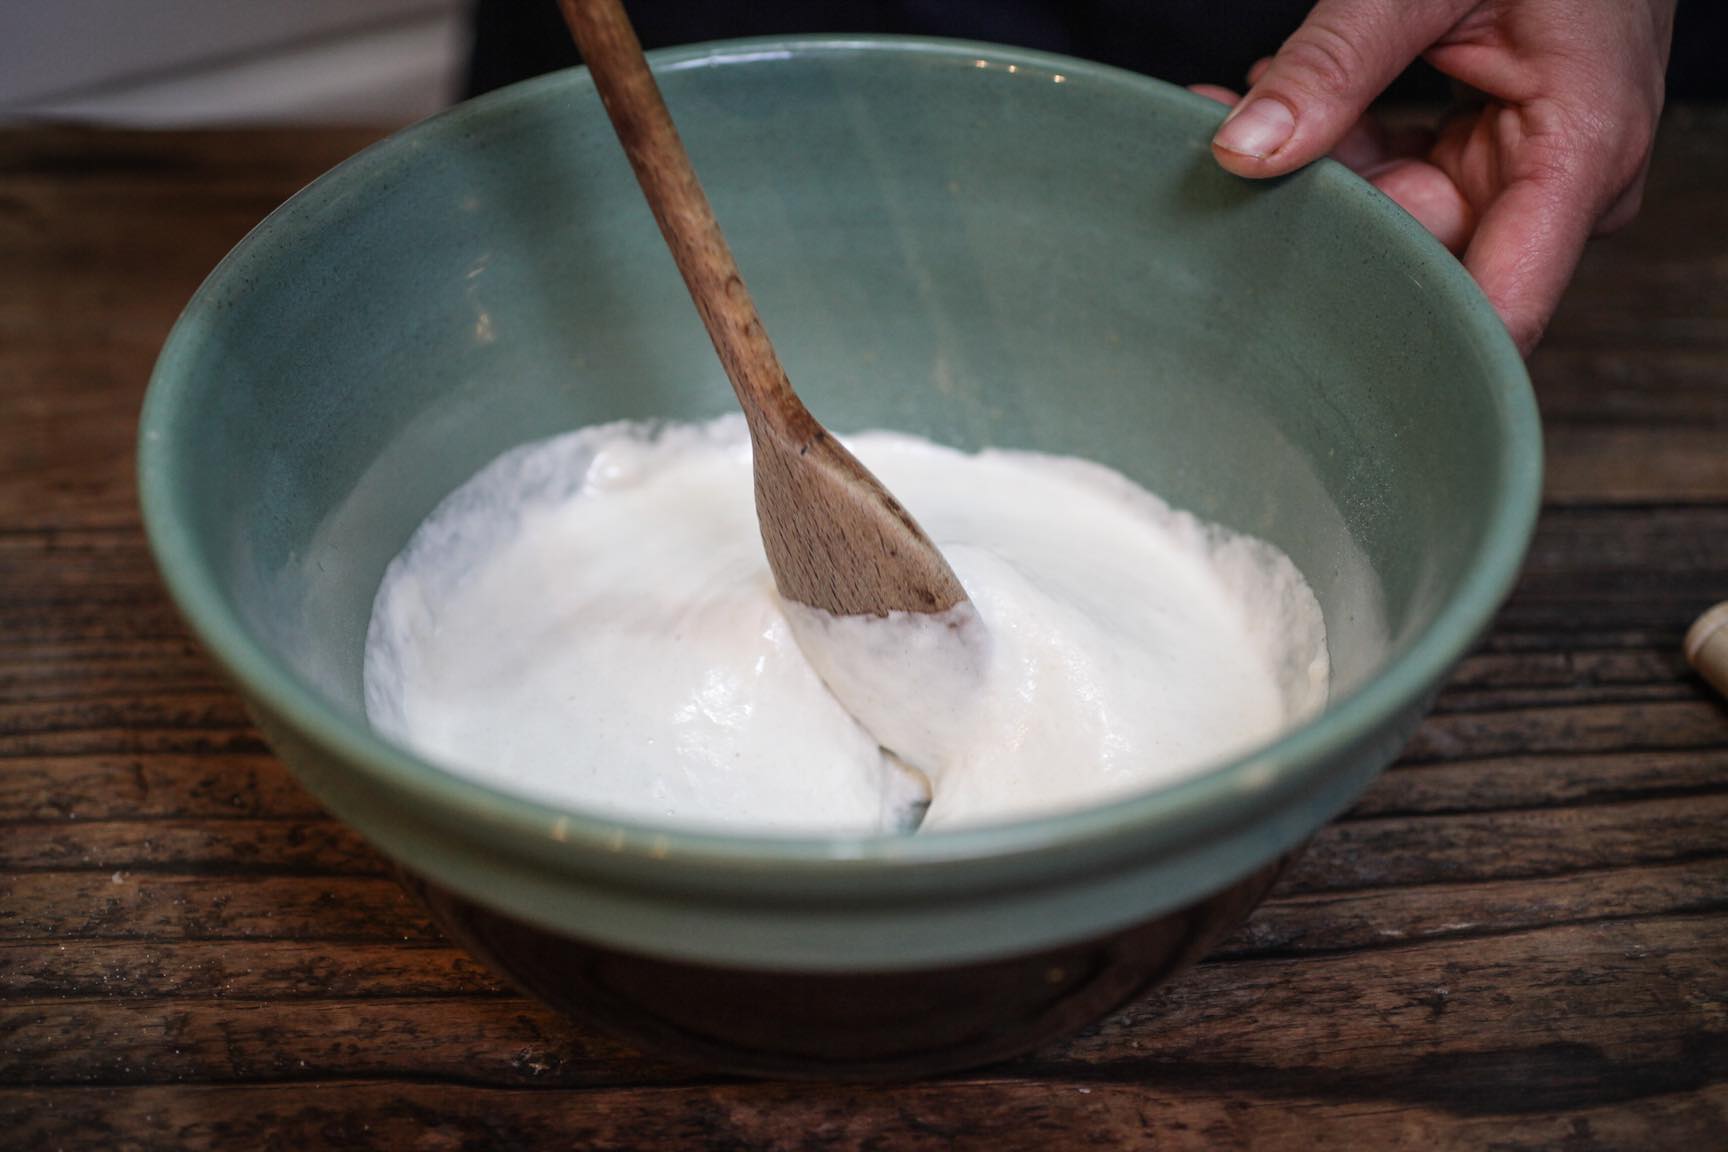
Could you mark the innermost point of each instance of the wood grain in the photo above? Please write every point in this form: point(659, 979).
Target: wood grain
point(992, 1116)
point(201, 905)
point(1518, 939)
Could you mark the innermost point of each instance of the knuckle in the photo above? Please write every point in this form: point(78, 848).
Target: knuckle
point(1625, 137)
point(1605, 152)
point(1325, 61)
point(1643, 120)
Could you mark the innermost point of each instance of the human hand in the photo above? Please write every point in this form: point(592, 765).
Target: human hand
point(1515, 184)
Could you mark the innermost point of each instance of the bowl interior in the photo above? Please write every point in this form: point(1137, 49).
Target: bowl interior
point(989, 247)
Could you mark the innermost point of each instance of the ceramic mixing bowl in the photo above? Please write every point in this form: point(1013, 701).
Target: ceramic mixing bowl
point(983, 245)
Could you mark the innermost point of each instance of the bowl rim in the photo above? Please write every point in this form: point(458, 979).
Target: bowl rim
point(575, 839)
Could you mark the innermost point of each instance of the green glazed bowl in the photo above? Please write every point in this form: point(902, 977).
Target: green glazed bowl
point(984, 245)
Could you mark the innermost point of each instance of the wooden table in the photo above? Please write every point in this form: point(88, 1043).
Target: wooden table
point(1519, 938)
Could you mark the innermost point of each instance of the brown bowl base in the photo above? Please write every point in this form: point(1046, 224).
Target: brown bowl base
point(844, 1025)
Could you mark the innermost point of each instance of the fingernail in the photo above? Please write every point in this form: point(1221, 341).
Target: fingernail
point(1257, 128)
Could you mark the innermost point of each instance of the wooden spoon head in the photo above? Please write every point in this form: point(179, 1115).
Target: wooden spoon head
point(836, 538)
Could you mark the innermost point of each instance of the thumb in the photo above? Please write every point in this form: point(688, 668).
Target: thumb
point(1324, 78)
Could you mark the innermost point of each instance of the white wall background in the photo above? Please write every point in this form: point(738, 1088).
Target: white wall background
point(189, 62)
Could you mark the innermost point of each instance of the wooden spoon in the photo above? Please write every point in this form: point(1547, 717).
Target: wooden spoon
point(836, 539)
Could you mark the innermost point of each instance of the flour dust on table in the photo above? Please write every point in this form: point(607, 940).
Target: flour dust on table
point(590, 621)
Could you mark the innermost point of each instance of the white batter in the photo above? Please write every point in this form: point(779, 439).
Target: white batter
point(591, 621)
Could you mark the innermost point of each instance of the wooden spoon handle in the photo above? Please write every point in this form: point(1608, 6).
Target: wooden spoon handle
point(835, 538)
point(614, 56)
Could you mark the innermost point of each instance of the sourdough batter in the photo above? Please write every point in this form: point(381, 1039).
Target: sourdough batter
point(590, 621)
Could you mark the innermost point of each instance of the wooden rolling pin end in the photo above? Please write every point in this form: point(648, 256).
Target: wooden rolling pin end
point(1707, 646)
